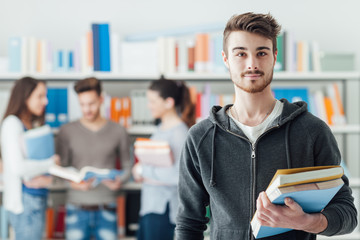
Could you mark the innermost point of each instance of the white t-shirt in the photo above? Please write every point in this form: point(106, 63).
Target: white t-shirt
point(253, 133)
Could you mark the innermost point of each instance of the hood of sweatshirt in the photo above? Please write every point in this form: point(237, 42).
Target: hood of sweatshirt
point(220, 119)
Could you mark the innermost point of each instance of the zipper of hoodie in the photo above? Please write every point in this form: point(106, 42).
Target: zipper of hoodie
point(253, 164)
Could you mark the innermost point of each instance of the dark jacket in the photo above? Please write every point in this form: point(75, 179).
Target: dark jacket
point(221, 168)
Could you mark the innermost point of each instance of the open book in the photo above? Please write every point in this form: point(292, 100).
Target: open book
point(153, 152)
point(85, 173)
point(312, 188)
point(39, 143)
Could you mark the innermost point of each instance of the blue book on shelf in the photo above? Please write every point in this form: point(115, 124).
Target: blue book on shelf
point(292, 94)
point(96, 47)
point(15, 54)
point(104, 47)
point(60, 59)
point(71, 60)
point(51, 109)
point(39, 143)
point(62, 115)
point(312, 201)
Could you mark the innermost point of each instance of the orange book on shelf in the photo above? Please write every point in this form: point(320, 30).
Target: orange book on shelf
point(338, 99)
point(177, 57)
point(191, 58)
point(121, 215)
point(115, 109)
point(49, 222)
point(89, 43)
point(193, 94)
point(201, 52)
point(300, 56)
point(125, 116)
point(329, 110)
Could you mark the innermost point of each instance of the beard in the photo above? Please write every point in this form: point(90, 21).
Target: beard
point(92, 116)
point(253, 88)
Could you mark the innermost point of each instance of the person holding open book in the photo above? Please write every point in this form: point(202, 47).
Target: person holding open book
point(170, 102)
point(25, 182)
point(96, 142)
point(230, 158)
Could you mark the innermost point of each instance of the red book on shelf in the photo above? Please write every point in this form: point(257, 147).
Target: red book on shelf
point(59, 231)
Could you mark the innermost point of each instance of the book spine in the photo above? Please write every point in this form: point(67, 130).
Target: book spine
point(104, 47)
point(96, 47)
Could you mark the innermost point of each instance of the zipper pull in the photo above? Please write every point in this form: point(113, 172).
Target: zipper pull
point(253, 152)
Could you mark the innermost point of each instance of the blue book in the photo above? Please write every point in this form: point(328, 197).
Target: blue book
point(292, 94)
point(39, 143)
point(51, 108)
point(104, 47)
point(60, 59)
point(85, 173)
point(71, 60)
point(96, 47)
point(313, 197)
point(62, 115)
point(15, 54)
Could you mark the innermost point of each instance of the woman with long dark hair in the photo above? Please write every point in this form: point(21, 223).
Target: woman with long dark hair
point(25, 185)
point(169, 101)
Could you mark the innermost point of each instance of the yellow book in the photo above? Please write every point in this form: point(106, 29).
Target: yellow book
point(296, 176)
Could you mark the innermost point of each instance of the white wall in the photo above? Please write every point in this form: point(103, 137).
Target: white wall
point(333, 23)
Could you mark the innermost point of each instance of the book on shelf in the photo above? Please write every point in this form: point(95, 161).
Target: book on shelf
point(153, 152)
point(311, 187)
point(85, 173)
point(121, 215)
point(56, 113)
point(59, 227)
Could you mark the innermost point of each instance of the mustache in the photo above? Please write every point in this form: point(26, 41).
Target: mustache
point(252, 72)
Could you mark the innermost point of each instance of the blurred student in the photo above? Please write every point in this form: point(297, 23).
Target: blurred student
point(25, 186)
point(93, 141)
point(170, 102)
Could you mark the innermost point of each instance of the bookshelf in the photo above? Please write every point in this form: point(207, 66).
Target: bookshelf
point(121, 84)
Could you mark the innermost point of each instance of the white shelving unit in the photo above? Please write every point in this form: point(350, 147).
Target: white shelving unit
point(223, 79)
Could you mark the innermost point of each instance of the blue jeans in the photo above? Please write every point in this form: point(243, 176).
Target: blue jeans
point(29, 225)
point(156, 227)
point(87, 224)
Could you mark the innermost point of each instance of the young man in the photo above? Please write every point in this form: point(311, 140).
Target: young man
point(229, 159)
point(93, 141)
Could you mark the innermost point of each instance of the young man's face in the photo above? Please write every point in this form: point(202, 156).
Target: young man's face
point(90, 103)
point(250, 60)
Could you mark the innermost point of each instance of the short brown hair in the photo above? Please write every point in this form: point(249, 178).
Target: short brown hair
point(262, 24)
point(88, 84)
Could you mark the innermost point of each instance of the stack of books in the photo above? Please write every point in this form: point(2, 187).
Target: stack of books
point(311, 187)
point(153, 152)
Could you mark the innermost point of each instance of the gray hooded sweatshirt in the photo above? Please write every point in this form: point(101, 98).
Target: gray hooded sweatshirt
point(220, 168)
